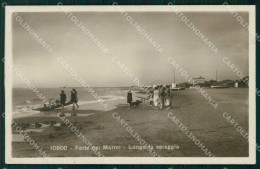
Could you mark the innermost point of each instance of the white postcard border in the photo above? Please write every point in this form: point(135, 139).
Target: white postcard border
point(130, 160)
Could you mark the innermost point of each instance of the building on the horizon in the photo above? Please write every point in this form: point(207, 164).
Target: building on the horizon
point(199, 80)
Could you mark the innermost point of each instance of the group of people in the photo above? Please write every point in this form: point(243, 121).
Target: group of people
point(73, 98)
point(160, 96)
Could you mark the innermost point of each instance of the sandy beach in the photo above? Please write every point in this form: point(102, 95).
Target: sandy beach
point(148, 84)
point(154, 126)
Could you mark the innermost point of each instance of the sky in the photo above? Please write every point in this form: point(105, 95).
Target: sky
point(125, 42)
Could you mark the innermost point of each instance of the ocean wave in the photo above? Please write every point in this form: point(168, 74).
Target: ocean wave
point(27, 110)
point(108, 98)
point(113, 97)
point(24, 110)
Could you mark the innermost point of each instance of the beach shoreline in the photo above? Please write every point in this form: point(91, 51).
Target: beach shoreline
point(153, 126)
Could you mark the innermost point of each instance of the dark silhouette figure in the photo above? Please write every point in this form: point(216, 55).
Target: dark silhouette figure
point(63, 98)
point(74, 98)
point(129, 98)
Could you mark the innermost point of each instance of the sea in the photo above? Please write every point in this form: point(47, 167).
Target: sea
point(25, 100)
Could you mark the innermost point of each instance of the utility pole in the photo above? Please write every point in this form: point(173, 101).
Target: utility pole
point(173, 76)
point(216, 75)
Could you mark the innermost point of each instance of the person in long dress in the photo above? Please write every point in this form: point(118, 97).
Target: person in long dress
point(168, 97)
point(162, 97)
point(129, 97)
point(74, 98)
point(171, 99)
point(155, 96)
point(62, 99)
point(150, 97)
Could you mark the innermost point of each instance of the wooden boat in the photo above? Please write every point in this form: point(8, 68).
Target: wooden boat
point(219, 86)
point(178, 88)
point(52, 107)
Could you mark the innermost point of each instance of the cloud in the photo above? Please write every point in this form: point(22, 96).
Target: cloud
point(125, 42)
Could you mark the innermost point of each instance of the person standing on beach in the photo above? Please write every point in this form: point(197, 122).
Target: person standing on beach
point(162, 97)
point(63, 99)
point(155, 96)
point(129, 98)
point(150, 97)
point(168, 97)
point(171, 100)
point(74, 98)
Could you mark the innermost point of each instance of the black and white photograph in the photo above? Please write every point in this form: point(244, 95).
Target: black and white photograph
point(130, 84)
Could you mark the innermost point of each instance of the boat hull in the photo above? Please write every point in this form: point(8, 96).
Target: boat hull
point(220, 87)
point(47, 108)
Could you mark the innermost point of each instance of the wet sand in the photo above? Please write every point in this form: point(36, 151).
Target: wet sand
point(154, 126)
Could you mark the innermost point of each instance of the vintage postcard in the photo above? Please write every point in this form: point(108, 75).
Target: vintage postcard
point(130, 84)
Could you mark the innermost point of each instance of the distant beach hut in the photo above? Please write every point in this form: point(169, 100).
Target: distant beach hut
point(236, 85)
point(173, 85)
